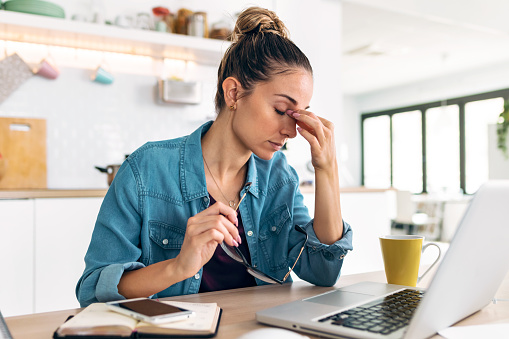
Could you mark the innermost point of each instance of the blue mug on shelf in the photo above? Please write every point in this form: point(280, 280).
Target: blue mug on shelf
point(102, 76)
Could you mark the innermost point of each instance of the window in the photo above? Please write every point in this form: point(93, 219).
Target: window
point(478, 116)
point(443, 149)
point(377, 157)
point(432, 147)
point(406, 151)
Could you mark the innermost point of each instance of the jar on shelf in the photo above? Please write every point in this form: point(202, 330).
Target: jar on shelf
point(220, 30)
point(164, 19)
point(197, 25)
point(181, 22)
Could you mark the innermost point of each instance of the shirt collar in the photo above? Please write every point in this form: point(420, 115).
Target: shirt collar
point(192, 173)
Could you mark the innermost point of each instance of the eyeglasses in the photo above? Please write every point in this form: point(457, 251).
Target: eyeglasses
point(236, 254)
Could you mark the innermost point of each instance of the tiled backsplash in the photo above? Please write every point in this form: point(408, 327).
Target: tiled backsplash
point(91, 124)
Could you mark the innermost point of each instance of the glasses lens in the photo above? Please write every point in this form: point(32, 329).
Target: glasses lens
point(262, 276)
point(236, 255)
point(231, 252)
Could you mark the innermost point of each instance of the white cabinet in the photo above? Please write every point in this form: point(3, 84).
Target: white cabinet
point(63, 228)
point(17, 253)
point(43, 244)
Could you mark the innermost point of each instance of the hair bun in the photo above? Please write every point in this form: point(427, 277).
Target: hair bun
point(257, 20)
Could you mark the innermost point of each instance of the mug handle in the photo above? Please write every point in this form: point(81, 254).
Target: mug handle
point(434, 263)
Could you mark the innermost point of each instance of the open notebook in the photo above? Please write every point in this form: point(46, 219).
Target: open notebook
point(98, 320)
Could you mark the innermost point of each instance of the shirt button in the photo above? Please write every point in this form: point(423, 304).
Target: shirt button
point(197, 276)
point(165, 241)
point(206, 199)
point(274, 228)
point(250, 233)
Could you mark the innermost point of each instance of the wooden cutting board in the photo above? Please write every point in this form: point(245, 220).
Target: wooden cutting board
point(23, 149)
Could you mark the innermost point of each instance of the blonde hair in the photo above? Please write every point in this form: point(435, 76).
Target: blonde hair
point(258, 20)
point(260, 49)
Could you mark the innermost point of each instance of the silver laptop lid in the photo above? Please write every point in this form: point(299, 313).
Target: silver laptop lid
point(473, 267)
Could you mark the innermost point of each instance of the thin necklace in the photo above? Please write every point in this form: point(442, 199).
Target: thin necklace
point(230, 202)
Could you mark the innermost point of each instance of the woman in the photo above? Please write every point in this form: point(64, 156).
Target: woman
point(173, 202)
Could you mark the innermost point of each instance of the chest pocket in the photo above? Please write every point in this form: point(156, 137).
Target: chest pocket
point(273, 237)
point(168, 240)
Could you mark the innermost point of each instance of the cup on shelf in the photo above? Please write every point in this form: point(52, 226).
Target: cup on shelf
point(101, 75)
point(161, 26)
point(144, 21)
point(47, 69)
point(124, 21)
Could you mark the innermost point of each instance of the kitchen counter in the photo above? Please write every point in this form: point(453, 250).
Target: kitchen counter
point(357, 189)
point(52, 193)
point(90, 193)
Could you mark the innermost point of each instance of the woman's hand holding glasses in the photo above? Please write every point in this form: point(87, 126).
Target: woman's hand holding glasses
point(205, 231)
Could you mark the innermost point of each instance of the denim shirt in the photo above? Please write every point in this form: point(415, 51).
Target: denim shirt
point(143, 220)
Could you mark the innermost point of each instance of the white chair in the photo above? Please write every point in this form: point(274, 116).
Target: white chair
point(405, 210)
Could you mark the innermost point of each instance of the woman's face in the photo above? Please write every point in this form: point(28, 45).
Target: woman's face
point(260, 121)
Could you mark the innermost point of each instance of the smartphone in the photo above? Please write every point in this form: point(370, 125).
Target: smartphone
point(149, 310)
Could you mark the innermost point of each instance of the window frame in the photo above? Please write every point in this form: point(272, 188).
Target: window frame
point(460, 101)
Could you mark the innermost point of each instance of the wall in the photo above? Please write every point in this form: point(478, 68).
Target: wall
point(91, 124)
point(480, 80)
point(351, 161)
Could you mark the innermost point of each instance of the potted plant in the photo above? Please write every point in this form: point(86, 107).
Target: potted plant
point(503, 129)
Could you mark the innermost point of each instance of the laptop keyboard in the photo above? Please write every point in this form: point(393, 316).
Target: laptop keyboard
point(382, 316)
point(4, 331)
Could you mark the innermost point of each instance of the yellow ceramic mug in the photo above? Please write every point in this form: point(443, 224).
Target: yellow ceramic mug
point(402, 257)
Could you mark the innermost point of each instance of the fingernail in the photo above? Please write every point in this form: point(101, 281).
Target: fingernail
point(299, 129)
point(239, 240)
point(289, 112)
point(236, 244)
point(296, 115)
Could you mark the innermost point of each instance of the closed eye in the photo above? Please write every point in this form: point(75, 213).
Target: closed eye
point(279, 112)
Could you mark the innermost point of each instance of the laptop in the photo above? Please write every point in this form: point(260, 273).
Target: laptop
point(466, 280)
point(4, 330)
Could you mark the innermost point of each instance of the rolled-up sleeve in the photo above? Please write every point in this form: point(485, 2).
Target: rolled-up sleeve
point(339, 249)
point(101, 284)
point(320, 264)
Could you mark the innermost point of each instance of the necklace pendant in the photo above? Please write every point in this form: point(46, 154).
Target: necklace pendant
point(231, 203)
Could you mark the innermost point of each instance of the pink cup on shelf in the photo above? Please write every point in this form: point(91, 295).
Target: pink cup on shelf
point(47, 70)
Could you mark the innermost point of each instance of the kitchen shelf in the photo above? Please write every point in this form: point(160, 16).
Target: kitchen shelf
point(38, 29)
